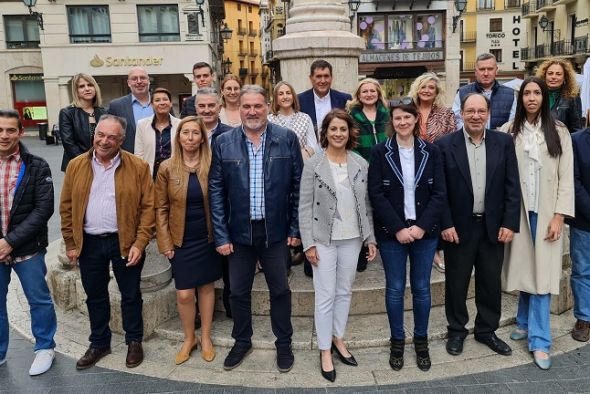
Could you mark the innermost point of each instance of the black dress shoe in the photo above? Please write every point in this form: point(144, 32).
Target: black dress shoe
point(496, 344)
point(91, 357)
point(345, 360)
point(328, 375)
point(455, 345)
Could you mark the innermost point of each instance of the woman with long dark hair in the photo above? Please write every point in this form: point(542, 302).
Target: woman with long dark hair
point(533, 259)
point(407, 190)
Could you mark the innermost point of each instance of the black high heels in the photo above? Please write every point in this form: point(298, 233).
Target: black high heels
point(328, 375)
point(345, 360)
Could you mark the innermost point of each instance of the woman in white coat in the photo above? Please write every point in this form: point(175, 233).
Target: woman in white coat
point(532, 263)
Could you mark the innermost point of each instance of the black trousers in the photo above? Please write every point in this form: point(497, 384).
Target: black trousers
point(487, 258)
point(242, 267)
point(96, 256)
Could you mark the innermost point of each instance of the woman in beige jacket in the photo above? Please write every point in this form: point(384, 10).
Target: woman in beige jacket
point(532, 263)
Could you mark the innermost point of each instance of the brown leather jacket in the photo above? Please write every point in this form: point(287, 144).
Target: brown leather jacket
point(134, 196)
point(171, 191)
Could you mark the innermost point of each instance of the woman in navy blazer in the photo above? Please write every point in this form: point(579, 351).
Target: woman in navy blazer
point(407, 191)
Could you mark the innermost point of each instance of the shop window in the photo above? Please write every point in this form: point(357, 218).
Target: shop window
point(497, 53)
point(89, 24)
point(21, 31)
point(158, 23)
point(429, 30)
point(372, 30)
point(402, 31)
point(495, 25)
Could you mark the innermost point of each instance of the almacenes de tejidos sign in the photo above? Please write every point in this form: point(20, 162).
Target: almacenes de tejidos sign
point(392, 57)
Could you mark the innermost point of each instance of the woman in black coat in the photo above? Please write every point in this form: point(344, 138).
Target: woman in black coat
point(78, 120)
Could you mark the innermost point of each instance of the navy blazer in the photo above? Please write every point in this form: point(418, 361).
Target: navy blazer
point(581, 147)
point(386, 188)
point(218, 130)
point(502, 194)
point(122, 107)
point(307, 104)
point(229, 186)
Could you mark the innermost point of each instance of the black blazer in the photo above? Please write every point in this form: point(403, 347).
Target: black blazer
point(386, 188)
point(581, 147)
point(188, 107)
point(502, 194)
point(74, 131)
point(218, 130)
point(307, 105)
point(122, 107)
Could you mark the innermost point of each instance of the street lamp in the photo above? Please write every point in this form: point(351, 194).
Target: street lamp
point(353, 7)
point(200, 11)
point(460, 6)
point(226, 66)
point(548, 26)
point(37, 15)
point(226, 32)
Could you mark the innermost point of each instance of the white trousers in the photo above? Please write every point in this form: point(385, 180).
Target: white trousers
point(332, 281)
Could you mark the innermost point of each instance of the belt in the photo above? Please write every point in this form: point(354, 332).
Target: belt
point(103, 235)
point(478, 218)
point(410, 222)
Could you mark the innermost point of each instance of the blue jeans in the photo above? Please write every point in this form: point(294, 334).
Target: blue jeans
point(394, 256)
point(31, 274)
point(534, 311)
point(580, 280)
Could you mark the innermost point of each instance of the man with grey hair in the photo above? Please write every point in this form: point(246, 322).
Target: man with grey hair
point(263, 212)
point(107, 217)
point(207, 106)
point(134, 106)
point(502, 98)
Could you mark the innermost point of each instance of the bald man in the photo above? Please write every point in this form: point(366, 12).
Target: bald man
point(134, 106)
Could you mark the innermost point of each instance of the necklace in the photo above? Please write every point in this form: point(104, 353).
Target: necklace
point(90, 114)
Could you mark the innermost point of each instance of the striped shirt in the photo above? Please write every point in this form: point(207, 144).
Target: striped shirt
point(256, 160)
point(101, 212)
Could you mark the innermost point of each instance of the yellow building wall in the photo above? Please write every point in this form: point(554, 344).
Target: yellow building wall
point(243, 50)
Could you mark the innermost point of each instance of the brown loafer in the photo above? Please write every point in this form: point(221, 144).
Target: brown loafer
point(91, 357)
point(134, 354)
point(581, 331)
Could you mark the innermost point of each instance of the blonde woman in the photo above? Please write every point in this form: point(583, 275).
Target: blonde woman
point(78, 120)
point(230, 101)
point(184, 234)
point(564, 93)
point(370, 112)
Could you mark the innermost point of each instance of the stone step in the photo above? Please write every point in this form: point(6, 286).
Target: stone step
point(368, 293)
point(362, 331)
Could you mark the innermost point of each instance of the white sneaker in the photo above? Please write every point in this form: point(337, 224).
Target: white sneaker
point(42, 363)
point(3, 361)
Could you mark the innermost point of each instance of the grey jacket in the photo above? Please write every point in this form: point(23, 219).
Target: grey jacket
point(317, 199)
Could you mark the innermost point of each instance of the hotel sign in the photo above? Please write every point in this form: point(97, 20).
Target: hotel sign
point(394, 57)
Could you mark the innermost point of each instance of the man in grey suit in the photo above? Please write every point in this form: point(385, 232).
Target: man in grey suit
point(134, 106)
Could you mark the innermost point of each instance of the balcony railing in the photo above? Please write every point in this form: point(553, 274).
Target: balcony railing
point(580, 45)
point(541, 51)
point(243, 72)
point(524, 54)
point(529, 8)
point(253, 53)
point(468, 36)
point(252, 32)
point(22, 44)
point(242, 52)
point(468, 66)
point(562, 48)
point(543, 3)
point(512, 3)
point(253, 72)
point(242, 31)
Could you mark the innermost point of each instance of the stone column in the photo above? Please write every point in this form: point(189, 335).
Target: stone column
point(318, 29)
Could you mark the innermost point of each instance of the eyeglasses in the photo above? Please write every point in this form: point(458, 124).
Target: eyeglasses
point(472, 112)
point(402, 101)
point(138, 79)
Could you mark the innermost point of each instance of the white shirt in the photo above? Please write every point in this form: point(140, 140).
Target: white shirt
point(323, 105)
point(346, 224)
point(101, 212)
point(406, 158)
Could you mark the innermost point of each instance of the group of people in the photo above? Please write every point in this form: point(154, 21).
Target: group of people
point(235, 182)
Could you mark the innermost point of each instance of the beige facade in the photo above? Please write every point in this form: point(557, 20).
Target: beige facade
point(105, 40)
point(565, 33)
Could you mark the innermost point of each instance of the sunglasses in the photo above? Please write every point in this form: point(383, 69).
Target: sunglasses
point(402, 101)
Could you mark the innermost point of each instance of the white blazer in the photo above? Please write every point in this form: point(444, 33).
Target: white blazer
point(145, 139)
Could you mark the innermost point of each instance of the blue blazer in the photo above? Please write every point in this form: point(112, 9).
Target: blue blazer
point(307, 105)
point(581, 147)
point(386, 188)
point(218, 130)
point(502, 194)
point(122, 107)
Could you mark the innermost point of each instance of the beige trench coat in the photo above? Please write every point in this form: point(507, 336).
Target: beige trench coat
point(536, 269)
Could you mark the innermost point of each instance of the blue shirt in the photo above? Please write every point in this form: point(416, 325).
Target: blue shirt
point(256, 161)
point(141, 111)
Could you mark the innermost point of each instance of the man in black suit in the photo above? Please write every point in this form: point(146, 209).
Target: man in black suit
point(134, 106)
point(483, 196)
point(321, 98)
point(207, 106)
point(203, 77)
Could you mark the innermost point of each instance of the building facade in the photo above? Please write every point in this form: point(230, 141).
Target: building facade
point(104, 39)
point(496, 27)
point(404, 39)
point(273, 16)
point(556, 28)
point(243, 50)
